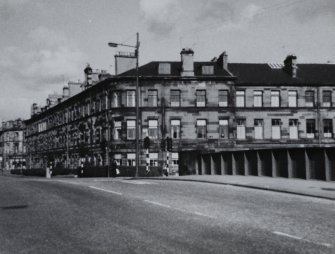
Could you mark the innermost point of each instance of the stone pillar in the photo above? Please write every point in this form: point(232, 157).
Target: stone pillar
point(289, 165)
point(223, 166)
point(196, 166)
point(307, 166)
point(233, 164)
point(211, 160)
point(259, 164)
point(274, 165)
point(327, 166)
point(246, 164)
point(203, 165)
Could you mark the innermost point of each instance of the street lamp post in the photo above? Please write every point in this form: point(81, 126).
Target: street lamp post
point(137, 46)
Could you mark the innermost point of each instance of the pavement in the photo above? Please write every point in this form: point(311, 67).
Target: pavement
point(310, 188)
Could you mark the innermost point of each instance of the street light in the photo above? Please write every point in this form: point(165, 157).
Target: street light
point(137, 46)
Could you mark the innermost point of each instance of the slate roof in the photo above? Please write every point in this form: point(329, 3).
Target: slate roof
point(151, 70)
point(251, 73)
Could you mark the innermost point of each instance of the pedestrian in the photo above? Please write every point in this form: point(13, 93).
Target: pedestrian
point(114, 168)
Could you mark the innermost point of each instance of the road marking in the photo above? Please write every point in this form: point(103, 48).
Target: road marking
point(156, 203)
point(178, 209)
point(109, 191)
point(62, 181)
point(301, 239)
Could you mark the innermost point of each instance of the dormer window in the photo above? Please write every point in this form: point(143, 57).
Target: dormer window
point(164, 68)
point(207, 70)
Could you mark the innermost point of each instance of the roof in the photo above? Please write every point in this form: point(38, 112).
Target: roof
point(151, 70)
point(252, 73)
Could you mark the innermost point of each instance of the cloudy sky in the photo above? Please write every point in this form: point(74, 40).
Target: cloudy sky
point(45, 43)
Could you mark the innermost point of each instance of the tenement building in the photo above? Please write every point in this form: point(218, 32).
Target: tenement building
point(223, 118)
point(12, 145)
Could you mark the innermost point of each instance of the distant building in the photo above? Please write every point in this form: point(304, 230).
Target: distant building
point(223, 118)
point(12, 145)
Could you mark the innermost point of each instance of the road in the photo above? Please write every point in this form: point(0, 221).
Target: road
point(64, 215)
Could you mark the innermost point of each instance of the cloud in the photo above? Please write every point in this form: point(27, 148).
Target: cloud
point(161, 16)
point(51, 60)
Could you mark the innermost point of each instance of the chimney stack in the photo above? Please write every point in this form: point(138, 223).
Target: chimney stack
point(223, 61)
point(187, 62)
point(290, 65)
point(66, 92)
point(88, 75)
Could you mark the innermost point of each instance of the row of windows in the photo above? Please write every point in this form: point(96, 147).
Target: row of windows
point(201, 129)
point(130, 159)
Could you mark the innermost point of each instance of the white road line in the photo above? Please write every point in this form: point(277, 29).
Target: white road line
point(62, 181)
point(109, 191)
point(138, 182)
point(301, 239)
point(156, 203)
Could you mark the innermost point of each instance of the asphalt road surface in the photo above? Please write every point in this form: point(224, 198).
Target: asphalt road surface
point(64, 215)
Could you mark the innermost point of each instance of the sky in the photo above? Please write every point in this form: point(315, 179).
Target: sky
point(46, 43)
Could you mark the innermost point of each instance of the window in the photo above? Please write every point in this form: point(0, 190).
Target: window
point(175, 129)
point(293, 128)
point(118, 159)
point(97, 135)
point(240, 128)
point(326, 98)
point(223, 128)
point(175, 98)
point(275, 99)
point(131, 159)
point(310, 128)
point(116, 99)
point(201, 129)
point(131, 98)
point(153, 157)
point(207, 69)
point(240, 100)
point(258, 125)
point(131, 129)
point(292, 99)
point(327, 128)
point(175, 158)
point(117, 130)
point(275, 130)
point(152, 98)
point(223, 98)
point(258, 98)
point(153, 129)
point(309, 99)
point(164, 68)
point(201, 98)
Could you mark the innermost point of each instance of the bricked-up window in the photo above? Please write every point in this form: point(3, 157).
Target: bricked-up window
point(310, 128)
point(240, 98)
point(258, 99)
point(175, 129)
point(117, 130)
point(201, 98)
point(207, 70)
point(293, 128)
point(201, 129)
point(152, 98)
point(164, 68)
point(223, 128)
point(309, 98)
point(131, 98)
point(223, 98)
point(258, 125)
point(326, 98)
point(327, 128)
point(153, 157)
point(275, 99)
point(153, 129)
point(131, 159)
point(292, 99)
point(116, 99)
point(240, 130)
point(131, 129)
point(275, 129)
point(175, 98)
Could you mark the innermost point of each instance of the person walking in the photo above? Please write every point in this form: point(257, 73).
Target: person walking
point(114, 168)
